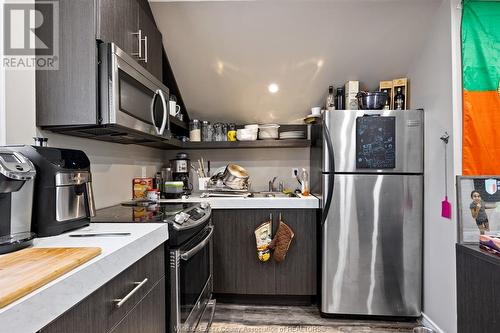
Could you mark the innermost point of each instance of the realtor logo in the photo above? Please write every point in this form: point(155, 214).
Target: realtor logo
point(31, 35)
point(490, 185)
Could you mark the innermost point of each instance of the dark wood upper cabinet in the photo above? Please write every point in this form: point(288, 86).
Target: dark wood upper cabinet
point(118, 22)
point(130, 25)
point(152, 44)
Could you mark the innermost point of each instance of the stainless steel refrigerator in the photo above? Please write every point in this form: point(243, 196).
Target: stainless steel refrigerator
point(367, 167)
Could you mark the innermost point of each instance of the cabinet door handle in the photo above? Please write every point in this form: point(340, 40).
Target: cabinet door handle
point(146, 49)
point(120, 301)
point(139, 39)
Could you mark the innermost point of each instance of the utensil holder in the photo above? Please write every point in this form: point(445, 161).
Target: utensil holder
point(203, 183)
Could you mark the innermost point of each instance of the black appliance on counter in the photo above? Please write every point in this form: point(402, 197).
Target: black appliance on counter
point(63, 198)
point(181, 167)
point(190, 281)
point(17, 176)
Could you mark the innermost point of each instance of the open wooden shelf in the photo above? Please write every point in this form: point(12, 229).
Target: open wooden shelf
point(290, 143)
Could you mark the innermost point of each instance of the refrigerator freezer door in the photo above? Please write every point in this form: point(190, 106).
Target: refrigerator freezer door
point(372, 246)
point(342, 128)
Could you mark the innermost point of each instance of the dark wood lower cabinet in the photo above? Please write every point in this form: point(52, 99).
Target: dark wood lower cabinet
point(144, 311)
point(144, 317)
point(478, 295)
point(237, 270)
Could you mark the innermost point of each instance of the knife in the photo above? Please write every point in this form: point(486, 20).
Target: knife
point(104, 234)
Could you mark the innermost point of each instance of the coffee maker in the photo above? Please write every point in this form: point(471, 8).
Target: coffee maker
point(17, 177)
point(64, 199)
point(180, 170)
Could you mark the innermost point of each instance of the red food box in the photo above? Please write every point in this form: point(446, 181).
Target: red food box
point(140, 187)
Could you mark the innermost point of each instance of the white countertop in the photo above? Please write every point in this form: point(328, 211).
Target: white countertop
point(35, 310)
point(252, 203)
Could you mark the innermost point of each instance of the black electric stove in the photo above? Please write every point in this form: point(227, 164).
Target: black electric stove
point(184, 219)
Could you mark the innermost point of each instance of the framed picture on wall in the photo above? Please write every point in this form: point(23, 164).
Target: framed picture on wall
point(478, 207)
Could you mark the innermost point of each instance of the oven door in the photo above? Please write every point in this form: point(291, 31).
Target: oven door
point(132, 97)
point(191, 281)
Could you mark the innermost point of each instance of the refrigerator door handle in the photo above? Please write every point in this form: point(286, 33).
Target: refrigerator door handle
point(331, 183)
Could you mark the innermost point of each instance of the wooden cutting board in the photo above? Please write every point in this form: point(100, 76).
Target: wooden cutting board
point(26, 270)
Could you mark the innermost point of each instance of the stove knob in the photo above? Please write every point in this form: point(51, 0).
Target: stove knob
point(204, 205)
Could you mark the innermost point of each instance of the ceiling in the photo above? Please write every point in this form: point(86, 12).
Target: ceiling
point(225, 54)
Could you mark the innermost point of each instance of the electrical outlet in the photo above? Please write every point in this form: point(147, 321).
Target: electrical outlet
point(295, 172)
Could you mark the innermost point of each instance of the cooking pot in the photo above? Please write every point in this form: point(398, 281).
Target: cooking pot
point(234, 176)
point(371, 100)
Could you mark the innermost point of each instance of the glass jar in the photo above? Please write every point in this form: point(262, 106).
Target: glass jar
point(204, 130)
point(231, 132)
point(218, 132)
point(195, 130)
point(224, 132)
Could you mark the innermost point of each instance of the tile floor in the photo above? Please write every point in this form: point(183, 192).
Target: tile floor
point(231, 318)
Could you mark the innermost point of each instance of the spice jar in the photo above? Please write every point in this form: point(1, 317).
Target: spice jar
point(204, 131)
point(195, 131)
point(218, 132)
point(224, 132)
point(231, 132)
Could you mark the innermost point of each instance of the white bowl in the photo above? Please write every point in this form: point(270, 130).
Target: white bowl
point(269, 131)
point(252, 126)
point(244, 134)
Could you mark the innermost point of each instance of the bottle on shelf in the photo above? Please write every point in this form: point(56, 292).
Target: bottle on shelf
point(399, 99)
point(340, 99)
point(304, 175)
point(330, 100)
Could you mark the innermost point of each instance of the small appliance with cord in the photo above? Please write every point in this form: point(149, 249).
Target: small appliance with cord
point(17, 177)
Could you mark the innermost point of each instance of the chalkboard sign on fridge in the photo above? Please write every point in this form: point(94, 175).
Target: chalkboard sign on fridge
point(375, 142)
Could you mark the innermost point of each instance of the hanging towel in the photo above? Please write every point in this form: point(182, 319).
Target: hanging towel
point(281, 242)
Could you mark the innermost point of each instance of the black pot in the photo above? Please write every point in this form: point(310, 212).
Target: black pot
point(372, 100)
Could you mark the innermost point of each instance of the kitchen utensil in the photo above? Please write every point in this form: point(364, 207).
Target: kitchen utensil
point(269, 131)
point(445, 204)
point(316, 111)
point(102, 234)
point(244, 134)
point(224, 195)
point(173, 108)
point(235, 177)
point(203, 183)
point(292, 135)
point(371, 100)
point(29, 269)
point(252, 126)
point(281, 241)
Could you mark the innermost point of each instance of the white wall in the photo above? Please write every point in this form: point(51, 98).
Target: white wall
point(432, 74)
point(262, 164)
point(113, 165)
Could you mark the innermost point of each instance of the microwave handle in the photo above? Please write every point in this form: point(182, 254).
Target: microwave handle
point(186, 255)
point(160, 130)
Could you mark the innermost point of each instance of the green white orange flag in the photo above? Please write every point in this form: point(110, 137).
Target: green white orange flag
point(481, 87)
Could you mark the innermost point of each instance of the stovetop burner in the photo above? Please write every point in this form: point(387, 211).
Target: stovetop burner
point(146, 212)
point(184, 220)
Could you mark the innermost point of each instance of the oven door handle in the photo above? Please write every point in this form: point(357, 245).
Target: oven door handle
point(186, 255)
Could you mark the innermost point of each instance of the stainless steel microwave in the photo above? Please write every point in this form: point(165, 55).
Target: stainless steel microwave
point(129, 96)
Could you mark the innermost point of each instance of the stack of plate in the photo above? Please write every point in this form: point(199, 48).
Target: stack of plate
point(292, 135)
